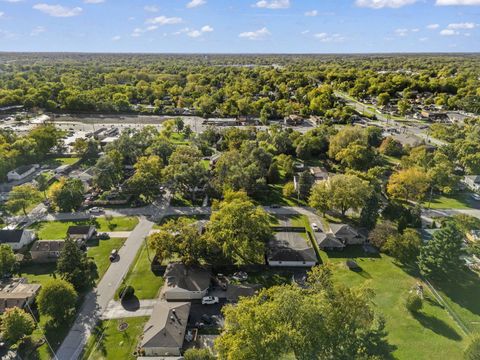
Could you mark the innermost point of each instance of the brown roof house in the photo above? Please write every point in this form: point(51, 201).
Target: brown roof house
point(164, 333)
point(16, 239)
point(185, 282)
point(46, 251)
point(81, 232)
point(346, 234)
point(17, 293)
point(319, 173)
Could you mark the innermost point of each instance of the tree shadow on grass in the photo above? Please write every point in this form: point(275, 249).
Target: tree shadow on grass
point(100, 335)
point(437, 326)
point(131, 304)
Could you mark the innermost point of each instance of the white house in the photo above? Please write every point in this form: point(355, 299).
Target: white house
point(164, 333)
point(473, 182)
point(16, 239)
point(21, 172)
point(185, 283)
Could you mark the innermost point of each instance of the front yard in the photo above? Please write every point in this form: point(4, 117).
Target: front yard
point(454, 201)
point(109, 343)
point(99, 251)
point(54, 230)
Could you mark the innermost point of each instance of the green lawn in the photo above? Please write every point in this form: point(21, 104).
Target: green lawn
point(453, 201)
point(100, 250)
point(53, 230)
point(190, 219)
point(59, 161)
point(274, 196)
point(145, 282)
point(432, 334)
point(108, 343)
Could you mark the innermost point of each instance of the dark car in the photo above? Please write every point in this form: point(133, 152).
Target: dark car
point(113, 255)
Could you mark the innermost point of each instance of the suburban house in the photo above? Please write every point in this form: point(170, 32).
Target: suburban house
point(338, 237)
point(293, 120)
point(473, 182)
point(319, 173)
point(346, 234)
point(236, 291)
point(81, 232)
point(17, 293)
point(164, 333)
point(21, 172)
point(46, 251)
point(291, 248)
point(185, 283)
point(436, 116)
point(16, 239)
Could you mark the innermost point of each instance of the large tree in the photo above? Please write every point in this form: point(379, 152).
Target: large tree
point(57, 299)
point(147, 178)
point(409, 184)
point(441, 255)
point(238, 230)
point(74, 266)
point(179, 238)
point(15, 324)
point(108, 171)
point(7, 260)
point(324, 321)
point(404, 247)
point(21, 197)
point(67, 194)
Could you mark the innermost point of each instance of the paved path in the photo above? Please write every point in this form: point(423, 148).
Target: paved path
point(119, 234)
point(115, 309)
point(97, 300)
point(430, 213)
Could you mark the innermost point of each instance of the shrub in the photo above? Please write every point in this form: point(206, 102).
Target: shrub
point(472, 352)
point(126, 292)
point(413, 303)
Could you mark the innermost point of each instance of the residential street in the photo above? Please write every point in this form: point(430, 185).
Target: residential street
point(97, 300)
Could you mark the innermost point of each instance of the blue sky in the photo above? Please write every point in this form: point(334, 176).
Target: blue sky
point(240, 26)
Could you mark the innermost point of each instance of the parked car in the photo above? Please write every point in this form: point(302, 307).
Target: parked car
point(315, 227)
point(113, 255)
point(476, 197)
point(240, 276)
point(210, 300)
point(95, 210)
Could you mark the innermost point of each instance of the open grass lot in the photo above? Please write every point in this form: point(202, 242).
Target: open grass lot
point(145, 282)
point(274, 195)
point(108, 343)
point(53, 230)
point(432, 334)
point(454, 201)
point(99, 251)
point(59, 161)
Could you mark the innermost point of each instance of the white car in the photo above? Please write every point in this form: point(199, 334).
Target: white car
point(95, 210)
point(476, 197)
point(315, 227)
point(210, 300)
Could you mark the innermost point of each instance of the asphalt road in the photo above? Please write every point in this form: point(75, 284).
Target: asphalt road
point(97, 300)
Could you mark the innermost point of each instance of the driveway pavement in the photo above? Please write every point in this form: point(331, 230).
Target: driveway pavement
point(96, 301)
point(135, 308)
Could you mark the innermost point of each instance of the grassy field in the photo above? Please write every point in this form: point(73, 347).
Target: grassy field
point(454, 201)
point(59, 161)
point(108, 343)
point(432, 334)
point(274, 195)
point(99, 251)
point(145, 282)
point(53, 230)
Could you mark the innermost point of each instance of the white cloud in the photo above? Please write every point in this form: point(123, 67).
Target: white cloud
point(93, 1)
point(194, 33)
point(457, 2)
point(195, 3)
point(467, 25)
point(255, 35)
point(304, 32)
point(13, 1)
point(380, 4)
point(401, 32)
point(273, 4)
point(116, 38)
point(423, 39)
point(58, 10)
point(326, 37)
point(206, 28)
point(449, 32)
point(163, 20)
point(311, 13)
point(38, 30)
point(1, 14)
point(433, 26)
point(151, 8)
point(139, 31)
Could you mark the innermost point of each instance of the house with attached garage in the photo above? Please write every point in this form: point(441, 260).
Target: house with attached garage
point(185, 282)
point(291, 247)
point(473, 182)
point(17, 293)
point(46, 251)
point(16, 239)
point(81, 232)
point(164, 333)
point(21, 172)
point(347, 234)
